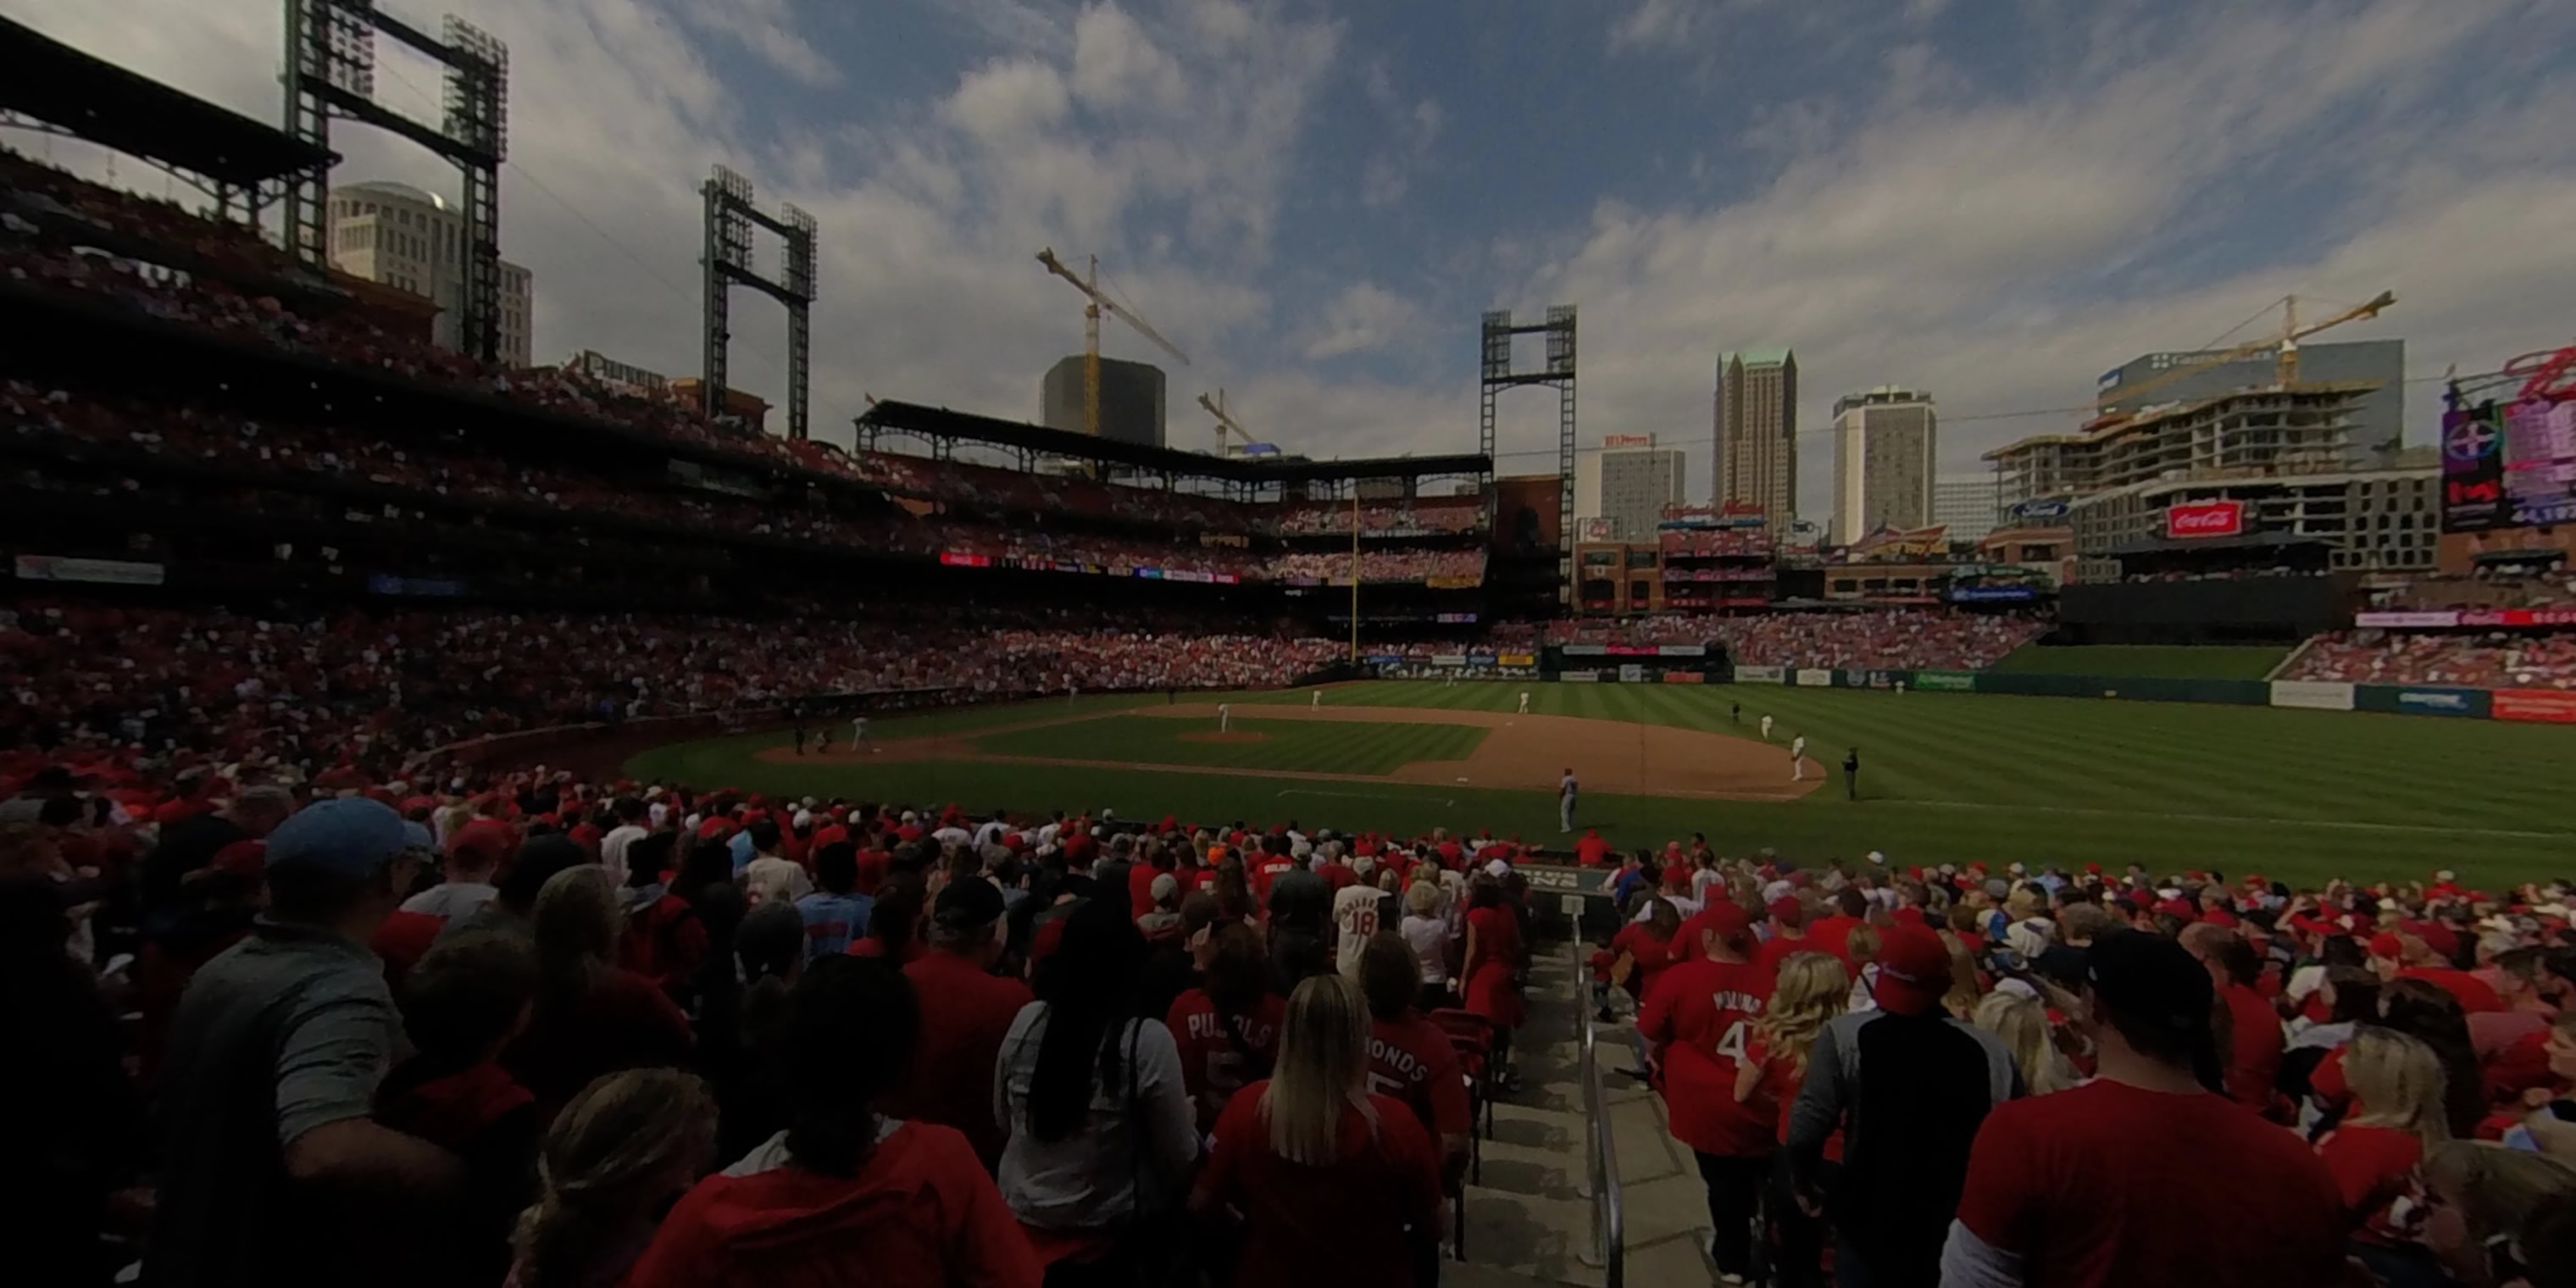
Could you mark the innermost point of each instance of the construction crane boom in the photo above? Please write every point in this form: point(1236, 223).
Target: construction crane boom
point(1226, 422)
point(2286, 342)
point(1089, 284)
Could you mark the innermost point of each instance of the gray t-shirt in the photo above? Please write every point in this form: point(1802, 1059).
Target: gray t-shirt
point(289, 1030)
point(1142, 1137)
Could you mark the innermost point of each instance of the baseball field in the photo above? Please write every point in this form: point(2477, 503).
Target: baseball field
point(2296, 795)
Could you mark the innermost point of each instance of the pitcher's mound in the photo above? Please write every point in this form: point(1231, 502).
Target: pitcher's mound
point(1225, 737)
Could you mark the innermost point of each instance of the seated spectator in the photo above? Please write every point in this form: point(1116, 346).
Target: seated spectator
point(1101, 1133)
point(268, 1144)
point(1334, 1184)
point(895, 924)
point(2374, 1154)
point(2500, 1218)
point(612, 1161)
point(843, 1196)
point(465, 1000)
point(591, 1018)
point(835, 913)
point(666, 940)
point(740, 1030)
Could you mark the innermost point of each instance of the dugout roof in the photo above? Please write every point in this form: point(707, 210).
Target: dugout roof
point(97, 100)
point(940, 422)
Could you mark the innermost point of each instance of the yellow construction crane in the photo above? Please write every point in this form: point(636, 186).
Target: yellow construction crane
point(1225, 422)
point(1089, 284)
point(2287, 342)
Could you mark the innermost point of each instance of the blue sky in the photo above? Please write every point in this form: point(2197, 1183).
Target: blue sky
point(1992, 199)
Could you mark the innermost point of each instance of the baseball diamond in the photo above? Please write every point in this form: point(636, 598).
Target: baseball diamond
point(1945, 777)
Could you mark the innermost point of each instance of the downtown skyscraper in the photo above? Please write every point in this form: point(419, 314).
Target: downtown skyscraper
point(1757, 434)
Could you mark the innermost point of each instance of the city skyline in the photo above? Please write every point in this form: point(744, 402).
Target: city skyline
point(1321, 233)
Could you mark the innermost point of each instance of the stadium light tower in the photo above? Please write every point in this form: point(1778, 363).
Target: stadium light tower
point(729, 258)
point(1557, 369)
point(331, 72)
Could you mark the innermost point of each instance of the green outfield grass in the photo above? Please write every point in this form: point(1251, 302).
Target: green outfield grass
point(2298, 795)
point(2148, 662)
point(1306, 745)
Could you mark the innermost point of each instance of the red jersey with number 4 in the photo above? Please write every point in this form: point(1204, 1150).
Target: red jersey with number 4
point(1411, 1060)
point(1214, 1064)
point(2113, 1186)
point(1699, 1015)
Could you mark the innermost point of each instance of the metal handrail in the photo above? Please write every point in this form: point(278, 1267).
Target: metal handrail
point(1600, 1150)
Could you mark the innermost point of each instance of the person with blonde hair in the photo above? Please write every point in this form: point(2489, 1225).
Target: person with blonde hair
point(1427, 933)
point(620, 1150)
point(590, 1017)
point(1327, 1175)
point(1812, 988)
point(2020, 1021)
point(2499, 1217)
point(2398, 1090)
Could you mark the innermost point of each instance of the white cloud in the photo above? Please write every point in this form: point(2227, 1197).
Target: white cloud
point(1364, 316)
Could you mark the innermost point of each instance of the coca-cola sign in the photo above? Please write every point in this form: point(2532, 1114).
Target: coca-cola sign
point(2205, 519)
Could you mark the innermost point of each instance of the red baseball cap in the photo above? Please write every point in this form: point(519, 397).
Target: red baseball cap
point(1727, 920)
point(1913, 970)
point(2387, 944)
point(485, 840)
point(1788, 910)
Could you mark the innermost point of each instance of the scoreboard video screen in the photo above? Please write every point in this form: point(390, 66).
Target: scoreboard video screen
point(2509, 465)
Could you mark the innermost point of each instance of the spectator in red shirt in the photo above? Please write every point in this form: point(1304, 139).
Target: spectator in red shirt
point(2090, 1187)
point(1592, 851)
point(1648, 946)
point(842, 1196)
point(1699, 1018)
point(1491, 962)
point(2256, 1043)
point(1832, 934)
point(895, 926)
point(665, 941)
point(591, 1017)
point(1228, 1028)
point(1409, 1056)
point(2373, 1154)
point(1788, 934)
point(1336, 1185)
point(611, 1162)
point(951, 1081)
point(2396, 955)
point(1810, 990)
point(465, 1000)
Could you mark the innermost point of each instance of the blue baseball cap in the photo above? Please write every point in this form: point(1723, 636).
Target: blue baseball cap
point(353, 836)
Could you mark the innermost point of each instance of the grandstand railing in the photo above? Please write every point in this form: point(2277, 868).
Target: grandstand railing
point(1600, 1150)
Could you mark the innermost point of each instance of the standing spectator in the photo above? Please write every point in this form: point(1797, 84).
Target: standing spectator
point(188, 844)
point(613, 1159)
point(1699, 1018)
point(1408, 1052)
point(1426, 932)
point(465, 1000)
point(951, 1079)
point(895, 924)
point(1811, 990)
point(2020, 1022)
point(2500, 1218)
point(842, 1195)
point(836, 913)
point(272, 1068)
point(1908, 1085)
point(1336, 1184)
point(2090, 1186)
point(1228, 1027)
point(630, 814)
point(66, 1065)
point(2255, 1041)
point(1101, 1134)
point(591, 1017)
point(474, 853)
point(1492, 965)
point(768, 878)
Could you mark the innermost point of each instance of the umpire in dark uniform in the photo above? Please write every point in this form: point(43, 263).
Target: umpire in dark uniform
point(1851, 774)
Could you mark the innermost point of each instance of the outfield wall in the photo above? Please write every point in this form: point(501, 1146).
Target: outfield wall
point(2549, 706)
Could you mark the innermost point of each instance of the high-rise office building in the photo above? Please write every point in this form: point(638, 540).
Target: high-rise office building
point(1967, 504)
point(400, 236)
point(1627, 484)
point(2377, 417)
point(1883, 451)
point(1131, 400)
point(1757, 433)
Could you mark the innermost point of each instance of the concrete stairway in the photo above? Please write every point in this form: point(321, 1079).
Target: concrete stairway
point(1530, 1217)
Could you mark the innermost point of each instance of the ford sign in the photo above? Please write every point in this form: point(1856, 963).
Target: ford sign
point(2042, 508)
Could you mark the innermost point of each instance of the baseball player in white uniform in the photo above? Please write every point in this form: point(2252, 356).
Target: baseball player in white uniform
point(1224, 717)
point(1766, 728)
point(1524, 702)
point(1565, 789)
point(1798, 759)
point(859, 733)
point(1319, 700)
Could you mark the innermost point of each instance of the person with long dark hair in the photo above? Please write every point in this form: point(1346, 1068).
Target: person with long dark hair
point(843, 1195)
point(894, 924)
point(1102, 1135)
point(1228, 1027)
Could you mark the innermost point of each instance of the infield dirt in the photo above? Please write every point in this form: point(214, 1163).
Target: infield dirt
point(1518, 752)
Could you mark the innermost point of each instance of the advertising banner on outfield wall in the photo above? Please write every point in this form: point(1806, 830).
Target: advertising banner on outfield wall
point(1580, 677)
point(1448, 659)
point(1760, 675)
point(1684, 677)
point(1816, 679)
point(1585, 650)
point(1516, 659)
point(106, 572)
point(2421, 700)
point(1632, 674)
point(2550, 706)
point(2315, 695)
point(1681, 650)
point(1946, 681)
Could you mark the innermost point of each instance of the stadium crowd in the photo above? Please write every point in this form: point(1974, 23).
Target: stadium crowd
point(1378, 565)
point(2555, 588)
point(2488, 660)
point(491, 1028)
point(1888, 639)
point(1464, 515)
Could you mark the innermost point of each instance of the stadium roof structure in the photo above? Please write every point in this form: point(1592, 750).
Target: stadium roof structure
point(940, 423)
point(87, 96)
